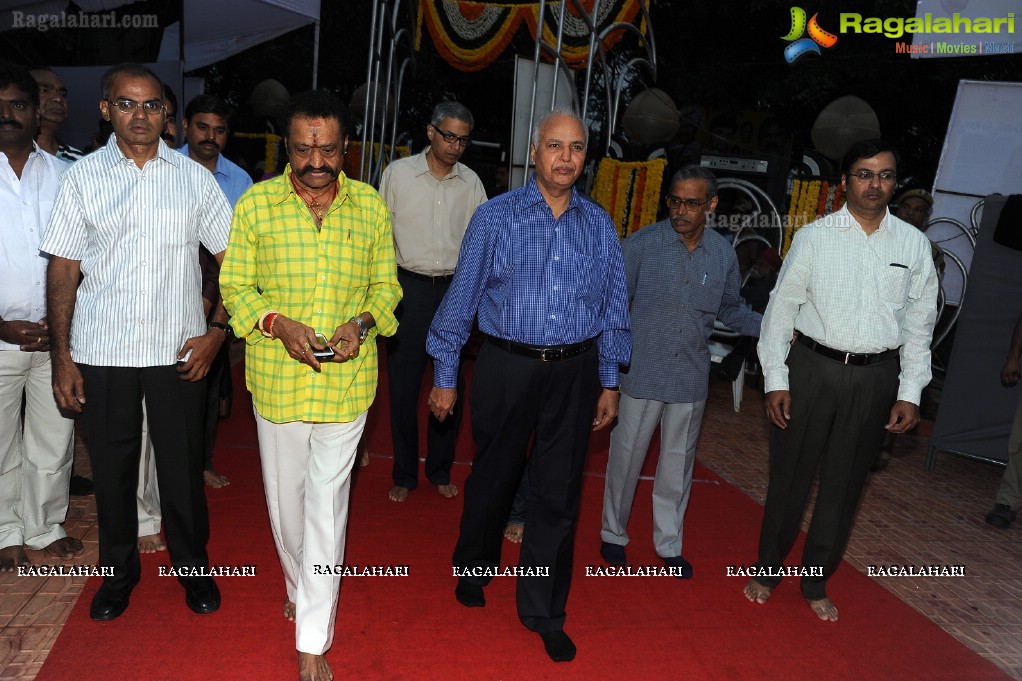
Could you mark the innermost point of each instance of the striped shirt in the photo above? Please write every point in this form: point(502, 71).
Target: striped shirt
point(25, 204)
point(136, 233)
point(676, 294)
point(536, 280)
point(429, 215)
point(854, 293)
point(278, 260)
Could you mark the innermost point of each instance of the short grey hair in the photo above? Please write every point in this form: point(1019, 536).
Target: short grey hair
point(559, 111)
point(695, 172)
point(452, 110)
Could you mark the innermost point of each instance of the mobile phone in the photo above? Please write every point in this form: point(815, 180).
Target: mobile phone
point(327, 352)
point(184, 360)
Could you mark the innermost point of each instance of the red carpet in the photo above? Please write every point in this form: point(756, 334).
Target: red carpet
point(412, 628)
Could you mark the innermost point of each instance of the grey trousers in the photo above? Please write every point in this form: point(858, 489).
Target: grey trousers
point(1010, 492)
point(629, 443)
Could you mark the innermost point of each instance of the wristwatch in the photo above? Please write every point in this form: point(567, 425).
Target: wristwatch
point(363, 329)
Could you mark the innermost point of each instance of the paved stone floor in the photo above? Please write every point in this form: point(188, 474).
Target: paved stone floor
point(908, 517)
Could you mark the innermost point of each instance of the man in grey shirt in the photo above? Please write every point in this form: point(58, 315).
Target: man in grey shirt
point(680, 277)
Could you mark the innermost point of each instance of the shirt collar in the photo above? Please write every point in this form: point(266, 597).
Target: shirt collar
point(422, 165)
point(284, 189)
point(219, 170)
point(114, 155)
point(845, 220)
point(533, 195)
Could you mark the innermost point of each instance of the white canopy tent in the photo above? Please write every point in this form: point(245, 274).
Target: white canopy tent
point(208, 38)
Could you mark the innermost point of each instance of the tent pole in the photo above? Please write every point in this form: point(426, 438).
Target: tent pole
point(315, 56)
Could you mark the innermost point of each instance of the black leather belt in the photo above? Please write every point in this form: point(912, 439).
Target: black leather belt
point(845, 357)
point(438, 279)
point(544, 353)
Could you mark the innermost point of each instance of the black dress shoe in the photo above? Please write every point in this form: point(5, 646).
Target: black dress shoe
point(682, 568)
point(558, 646)
point(80, 487)
point(470, 595)
point(614, 554)
point(201, 594)
point(1001, 516)
point(109, 603)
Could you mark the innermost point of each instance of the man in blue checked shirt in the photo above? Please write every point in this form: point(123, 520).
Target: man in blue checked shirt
point(681, 277)
point(542, 268)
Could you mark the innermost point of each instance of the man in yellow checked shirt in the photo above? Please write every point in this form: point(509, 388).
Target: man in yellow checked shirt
point(311, 251)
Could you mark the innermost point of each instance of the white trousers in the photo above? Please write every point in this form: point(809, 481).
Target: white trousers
point(629, 444)
point(147, 498)
point(35, 458)
point(307, 477)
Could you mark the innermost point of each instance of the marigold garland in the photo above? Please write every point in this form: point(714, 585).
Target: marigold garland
point(810, 200)
point(471, 35)
point(629, 191)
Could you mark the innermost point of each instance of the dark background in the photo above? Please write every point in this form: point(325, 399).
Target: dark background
point(714, 54)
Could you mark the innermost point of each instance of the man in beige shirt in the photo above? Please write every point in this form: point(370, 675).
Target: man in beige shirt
point(431, 197)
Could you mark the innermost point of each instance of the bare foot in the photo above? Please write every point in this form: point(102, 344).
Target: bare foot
point(65, 548)
point(151, 543)
point(289, 611)
point(756, 592)
point(398, 493)
point(13, 557)
point(313, 668)
point(214, 479)
point(824, 609)
point(514, 533)
point(447, 491)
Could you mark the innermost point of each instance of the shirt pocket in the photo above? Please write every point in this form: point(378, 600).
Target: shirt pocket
point(707, 293)
point(893, 283)
point(587, 273)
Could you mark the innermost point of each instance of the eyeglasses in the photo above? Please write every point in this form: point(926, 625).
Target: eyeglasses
point(451, 138)
point(868, 175)
point(151, 107)
point(675, 203)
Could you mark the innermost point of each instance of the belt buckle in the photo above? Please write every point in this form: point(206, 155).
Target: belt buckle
point(544, 357)
point(848, 356)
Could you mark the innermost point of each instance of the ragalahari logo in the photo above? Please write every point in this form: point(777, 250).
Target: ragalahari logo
point(800, 46)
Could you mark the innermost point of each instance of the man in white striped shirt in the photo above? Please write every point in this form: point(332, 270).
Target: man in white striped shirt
point(128, 222)
point(858, 290)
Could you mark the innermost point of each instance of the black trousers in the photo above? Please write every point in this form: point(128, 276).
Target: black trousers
point(218, 384)
point(113, 428)
point(515, 399)
point(838, 413)
point(406, 364)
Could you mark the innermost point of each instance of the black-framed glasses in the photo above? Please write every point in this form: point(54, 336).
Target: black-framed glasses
point(151, 107)
point(868, 175)
point(451, 138)
point(674, 203)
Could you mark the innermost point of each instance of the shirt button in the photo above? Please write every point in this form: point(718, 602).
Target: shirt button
point(143, 263)
point(553, 316)
point(323, 278)
point(556, 258)
point(556, 287)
